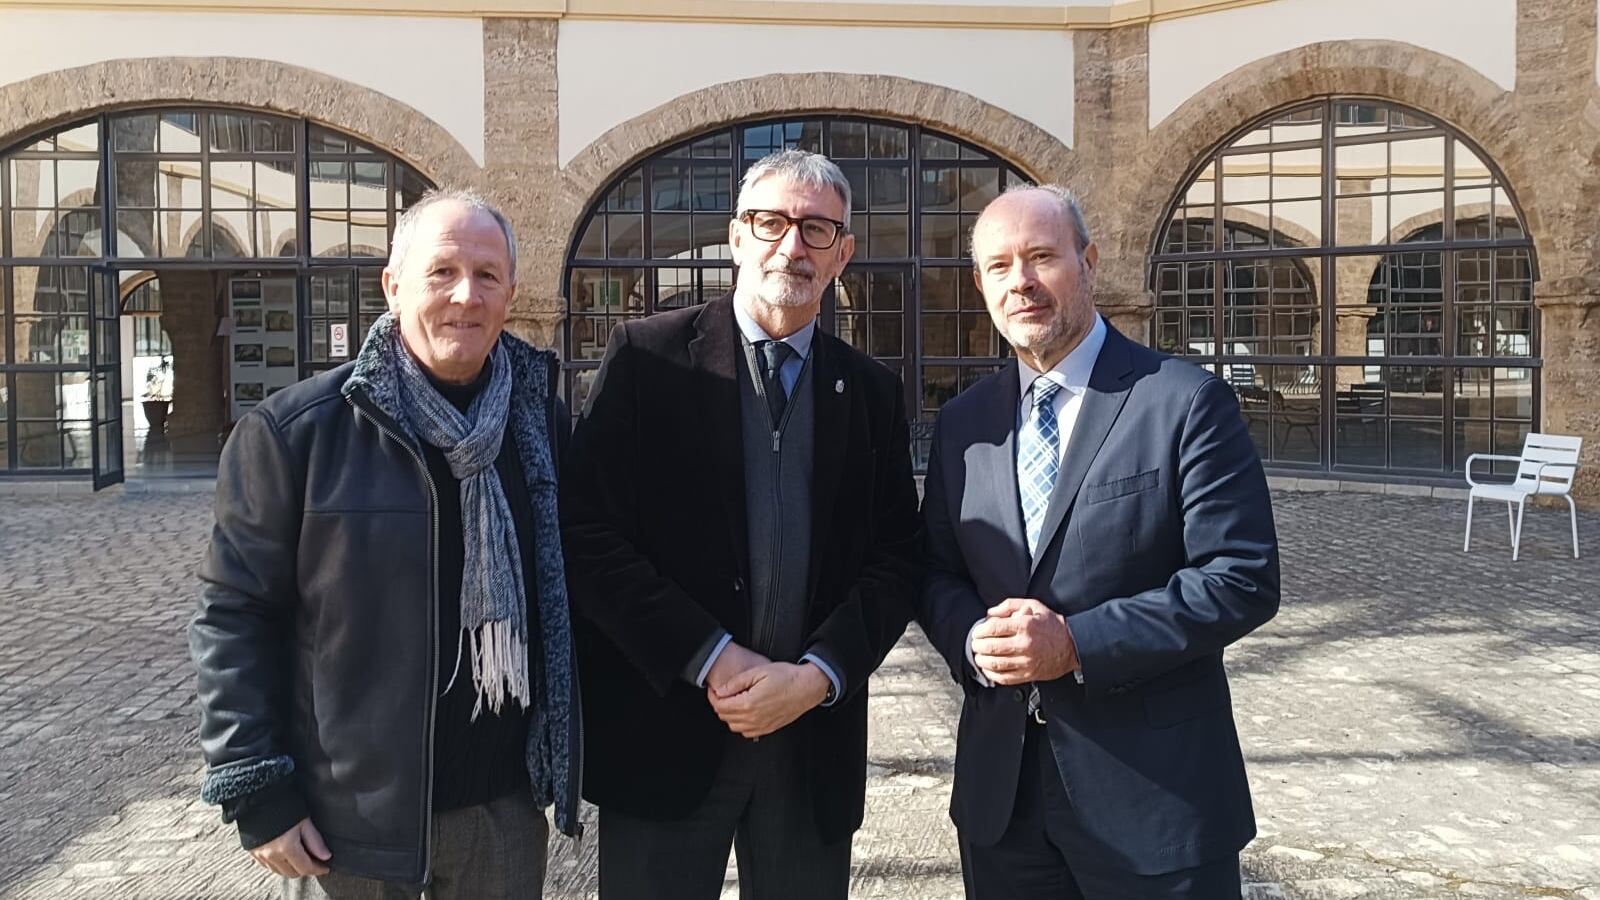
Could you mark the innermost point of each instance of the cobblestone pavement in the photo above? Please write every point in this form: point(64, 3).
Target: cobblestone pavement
point(1419, 723)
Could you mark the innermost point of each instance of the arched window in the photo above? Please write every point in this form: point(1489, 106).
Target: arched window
point(1360, 274)
point(87, 205)
point(657, 239)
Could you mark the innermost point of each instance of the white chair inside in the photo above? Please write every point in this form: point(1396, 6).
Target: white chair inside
point(1547, 466)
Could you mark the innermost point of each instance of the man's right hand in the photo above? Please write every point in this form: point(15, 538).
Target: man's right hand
point(296, 853)
point(733, 660)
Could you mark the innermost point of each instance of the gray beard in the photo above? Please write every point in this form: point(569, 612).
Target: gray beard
point(785, 292)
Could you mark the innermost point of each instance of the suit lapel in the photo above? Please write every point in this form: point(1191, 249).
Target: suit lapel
point(1102, 402)
point(830, 441)
point(998, 462)
point(714, 355)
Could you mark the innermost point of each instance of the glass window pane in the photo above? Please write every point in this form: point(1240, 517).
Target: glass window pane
point(625, 237)
point(978, 187)
point(848, 140)
point(1246, 178)
point(940, 287)
point(1417, 164)
point(978, 336)
point(1203, 190)
point(670, 236)
point(1513, 394)
point(134, 133)
point(330, 184)
point(1361, 221)
point(890, 189)
point(369, 235)
point(941, 237)
point(1416, 445)
point(939, 334)
point(940, 191)
point(232, 184)
point(77, 182)
point(890, 237)
point(180, 132)
point(330, 235)
point(369, 186)
point(33, 182)
point(935, 147)
point(887, 142)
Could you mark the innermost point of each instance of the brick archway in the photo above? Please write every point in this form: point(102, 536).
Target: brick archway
point(1010, 137)
point(58, 98)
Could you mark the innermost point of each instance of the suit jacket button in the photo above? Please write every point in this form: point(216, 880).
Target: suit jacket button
point(738, 585)
point(1021, 694)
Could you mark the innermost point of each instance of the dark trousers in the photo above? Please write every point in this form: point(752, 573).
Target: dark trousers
point(1045, 854)
point(495, 851)
point(757, 806)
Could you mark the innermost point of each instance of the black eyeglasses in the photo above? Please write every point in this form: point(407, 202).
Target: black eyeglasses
point(771, 226)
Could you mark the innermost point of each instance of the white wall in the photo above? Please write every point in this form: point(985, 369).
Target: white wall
point(1189, 53)
point(433, 64)
point(610, 72)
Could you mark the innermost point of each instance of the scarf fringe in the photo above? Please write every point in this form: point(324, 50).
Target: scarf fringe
point(499, 666)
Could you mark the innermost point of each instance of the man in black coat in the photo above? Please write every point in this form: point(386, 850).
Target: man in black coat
point(742, 537)
point(1099, 529)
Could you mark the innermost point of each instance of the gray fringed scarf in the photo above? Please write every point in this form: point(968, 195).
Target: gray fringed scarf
point(494, 615)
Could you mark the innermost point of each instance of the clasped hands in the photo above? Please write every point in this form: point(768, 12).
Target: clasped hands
point(755, 696)
point(1023, 641)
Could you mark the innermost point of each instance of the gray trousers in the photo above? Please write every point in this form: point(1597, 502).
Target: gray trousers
point(758, 808)
point(491, 852)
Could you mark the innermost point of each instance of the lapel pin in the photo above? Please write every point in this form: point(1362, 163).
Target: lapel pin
point(838, 386)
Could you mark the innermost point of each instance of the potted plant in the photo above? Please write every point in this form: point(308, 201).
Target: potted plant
point(158, 394)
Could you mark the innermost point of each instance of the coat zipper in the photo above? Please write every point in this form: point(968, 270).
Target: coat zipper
point(433, 598)
point(769, 621)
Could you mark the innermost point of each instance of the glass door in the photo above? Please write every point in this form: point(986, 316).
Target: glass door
point(105, 377)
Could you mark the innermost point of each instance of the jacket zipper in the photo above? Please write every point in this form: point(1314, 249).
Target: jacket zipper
point(433, 598)
point(769, 621)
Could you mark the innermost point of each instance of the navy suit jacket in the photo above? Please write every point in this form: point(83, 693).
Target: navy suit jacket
point(1159, 548)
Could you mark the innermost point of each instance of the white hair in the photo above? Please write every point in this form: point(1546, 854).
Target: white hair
point(406, 226)
point(802, 167)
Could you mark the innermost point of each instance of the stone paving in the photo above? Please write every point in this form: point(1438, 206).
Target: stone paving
point(1419, 723)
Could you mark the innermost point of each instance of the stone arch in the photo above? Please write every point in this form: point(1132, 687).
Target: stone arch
point(1439, 86)
point(1009, 137)
point(56, 99)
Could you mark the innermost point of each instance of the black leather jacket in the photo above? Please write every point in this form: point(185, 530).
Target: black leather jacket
point(316, 639)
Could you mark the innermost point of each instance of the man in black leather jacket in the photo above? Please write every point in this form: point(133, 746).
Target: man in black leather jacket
point(385, 667)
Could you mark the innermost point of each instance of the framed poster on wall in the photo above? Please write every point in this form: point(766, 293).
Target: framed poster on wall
point(264, 352)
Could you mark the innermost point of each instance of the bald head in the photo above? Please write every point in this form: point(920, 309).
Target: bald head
point(1043, 196)
point(1034, 262)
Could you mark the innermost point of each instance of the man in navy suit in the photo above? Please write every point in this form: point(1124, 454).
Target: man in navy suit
point(1099, 530)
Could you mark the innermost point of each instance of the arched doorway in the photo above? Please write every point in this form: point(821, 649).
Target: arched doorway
point(1360, 273)
point(255, 238)
point(656, 239)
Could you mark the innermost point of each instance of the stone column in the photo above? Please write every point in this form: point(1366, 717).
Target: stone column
point(1559, 189)
point(1111, 120)
point(199, 373)
point(1570, 343)
point(521, 169)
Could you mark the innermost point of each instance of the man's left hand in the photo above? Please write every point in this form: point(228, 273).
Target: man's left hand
point(1023, 641)
point(763, 699)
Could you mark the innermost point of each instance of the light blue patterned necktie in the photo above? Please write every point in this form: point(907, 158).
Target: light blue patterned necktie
point(1038, 459)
